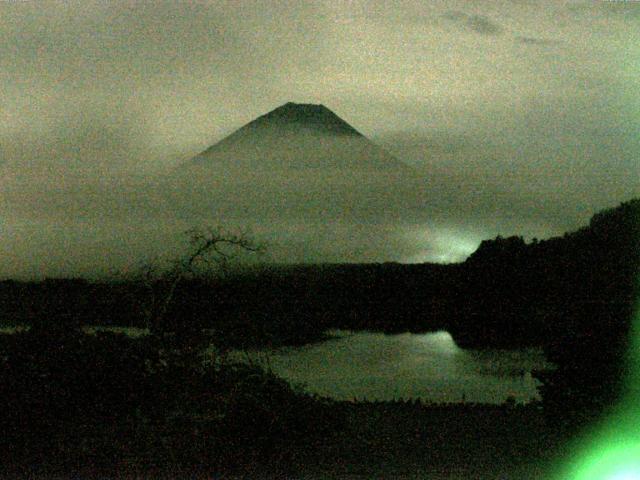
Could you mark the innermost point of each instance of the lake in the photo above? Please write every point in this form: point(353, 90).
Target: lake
point(430, 366)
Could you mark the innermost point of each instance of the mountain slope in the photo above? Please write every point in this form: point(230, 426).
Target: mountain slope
point(318, 188)
point(306, 175)
point(295, 136)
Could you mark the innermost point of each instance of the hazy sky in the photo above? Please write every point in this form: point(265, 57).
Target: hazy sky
point(522, 115)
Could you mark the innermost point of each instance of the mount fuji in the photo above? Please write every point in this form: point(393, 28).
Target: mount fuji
point(298, 171)
point(296, 136)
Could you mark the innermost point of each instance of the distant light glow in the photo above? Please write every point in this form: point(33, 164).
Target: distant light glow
point(441, 245)
point(442, 341)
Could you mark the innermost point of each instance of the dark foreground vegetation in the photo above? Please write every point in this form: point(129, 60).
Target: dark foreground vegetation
point(107, 403)
point(110, 405)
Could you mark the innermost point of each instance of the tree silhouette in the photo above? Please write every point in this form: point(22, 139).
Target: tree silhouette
point(210, 253)
point(596, 275)
point(183, 336)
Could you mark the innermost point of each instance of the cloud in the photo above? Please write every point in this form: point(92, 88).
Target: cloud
point(623, 9)
point(88, 142)
point(547, 172)
point(478, 23)
point(483, 25)
point(537, 41)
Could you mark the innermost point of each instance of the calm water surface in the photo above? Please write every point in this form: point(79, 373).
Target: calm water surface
point(427, 366)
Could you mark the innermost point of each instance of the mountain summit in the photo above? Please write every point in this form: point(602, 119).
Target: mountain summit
point(306, 115)
point(297, 136)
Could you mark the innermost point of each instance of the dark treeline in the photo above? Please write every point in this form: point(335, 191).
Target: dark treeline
point(575, 296)
point(271, 305)
point(509, 293)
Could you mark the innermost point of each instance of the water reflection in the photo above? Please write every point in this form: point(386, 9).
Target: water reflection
point(426, 366)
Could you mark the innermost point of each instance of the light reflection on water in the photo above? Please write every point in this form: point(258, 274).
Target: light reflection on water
point(428, 366)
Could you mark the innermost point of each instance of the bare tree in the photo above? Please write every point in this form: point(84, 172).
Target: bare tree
point(212, 248)
point(211, 252)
